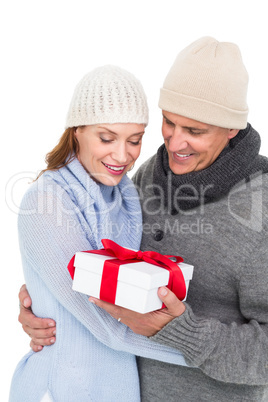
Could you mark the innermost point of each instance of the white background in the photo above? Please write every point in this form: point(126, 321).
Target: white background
point(47, 46)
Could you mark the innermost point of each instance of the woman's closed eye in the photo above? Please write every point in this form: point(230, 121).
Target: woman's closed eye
point(135, 142)
point(105, 140)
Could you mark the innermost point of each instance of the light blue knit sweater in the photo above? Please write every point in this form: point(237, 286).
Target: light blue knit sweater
point(93, 358)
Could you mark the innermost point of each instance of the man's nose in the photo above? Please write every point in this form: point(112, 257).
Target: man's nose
point(178, 141)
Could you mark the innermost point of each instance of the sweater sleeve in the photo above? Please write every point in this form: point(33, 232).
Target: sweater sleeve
point(235, 353)
point(51, 230)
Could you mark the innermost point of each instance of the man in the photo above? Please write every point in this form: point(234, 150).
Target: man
point(204, 197)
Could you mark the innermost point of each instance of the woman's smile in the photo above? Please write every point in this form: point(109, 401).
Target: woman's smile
point(113, 169)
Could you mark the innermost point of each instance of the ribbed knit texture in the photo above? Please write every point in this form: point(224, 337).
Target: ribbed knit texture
point(93, 357)
point(208, 83)
point(224, 331)
point(240, 160)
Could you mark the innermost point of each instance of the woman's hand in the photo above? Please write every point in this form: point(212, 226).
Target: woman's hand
point(150, 323)
point(41, 330)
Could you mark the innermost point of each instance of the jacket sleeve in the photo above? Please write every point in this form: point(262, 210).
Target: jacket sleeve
point(235, 353)
point(51, 230)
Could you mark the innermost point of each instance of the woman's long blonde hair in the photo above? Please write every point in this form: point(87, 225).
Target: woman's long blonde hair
point(63, 153)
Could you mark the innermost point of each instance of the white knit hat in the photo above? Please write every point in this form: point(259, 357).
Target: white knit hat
point(109, 95)
point(208, 83)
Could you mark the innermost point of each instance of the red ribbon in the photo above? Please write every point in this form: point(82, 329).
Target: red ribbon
point(125, 256)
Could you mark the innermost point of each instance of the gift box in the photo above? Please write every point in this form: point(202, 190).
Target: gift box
point(129, 278)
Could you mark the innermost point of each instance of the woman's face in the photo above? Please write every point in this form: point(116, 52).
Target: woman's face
point(108, 151)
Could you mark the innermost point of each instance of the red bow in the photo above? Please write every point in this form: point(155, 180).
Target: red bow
point(111, 268)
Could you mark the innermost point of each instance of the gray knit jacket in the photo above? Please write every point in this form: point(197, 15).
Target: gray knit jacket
point(223, 333)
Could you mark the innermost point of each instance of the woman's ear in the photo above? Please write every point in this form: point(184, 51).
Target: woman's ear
point(75, 131)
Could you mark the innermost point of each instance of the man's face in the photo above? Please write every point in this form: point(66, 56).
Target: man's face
point(192, 145)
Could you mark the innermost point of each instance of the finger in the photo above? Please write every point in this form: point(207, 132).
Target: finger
point(114, 310)
point(40, 336)
point(174, 306)
point(27, 318)
point(38, 339)
point(35, 348)
point(24, 297)
point(42, 342)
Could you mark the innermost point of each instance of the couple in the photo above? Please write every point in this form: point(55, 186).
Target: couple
point(208, 174)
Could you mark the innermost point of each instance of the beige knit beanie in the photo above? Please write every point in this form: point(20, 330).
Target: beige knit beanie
point(208, 83)
point(109, 95)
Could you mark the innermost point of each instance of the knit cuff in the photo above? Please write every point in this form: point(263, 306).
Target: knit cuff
point(189, 334)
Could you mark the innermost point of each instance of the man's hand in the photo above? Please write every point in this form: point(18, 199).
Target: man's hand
point(41, 330)
point(146, 324)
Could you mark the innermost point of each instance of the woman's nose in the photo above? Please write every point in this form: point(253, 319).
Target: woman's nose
point(120, 153)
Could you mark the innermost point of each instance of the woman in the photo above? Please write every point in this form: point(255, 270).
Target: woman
point(83, 196)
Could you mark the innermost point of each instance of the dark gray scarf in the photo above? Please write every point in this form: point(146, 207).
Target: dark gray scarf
point(238, 161)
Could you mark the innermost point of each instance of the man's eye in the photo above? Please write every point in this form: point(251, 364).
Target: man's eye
point(169, 122)
point(194, 132)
